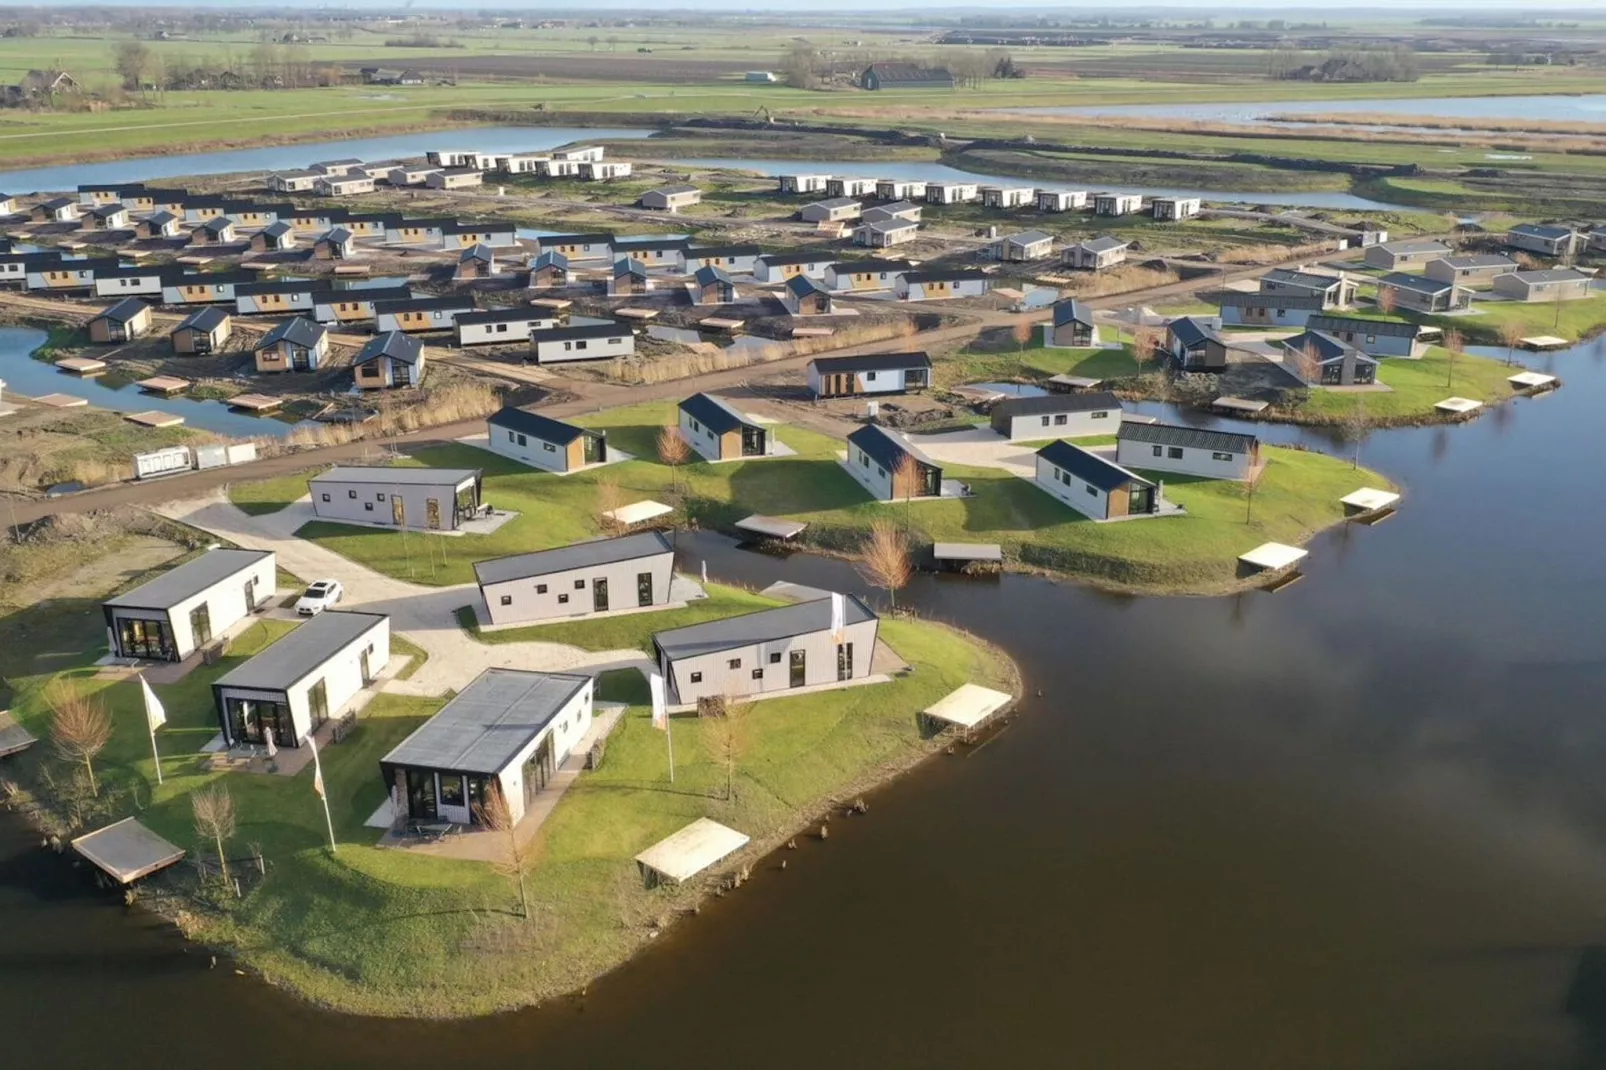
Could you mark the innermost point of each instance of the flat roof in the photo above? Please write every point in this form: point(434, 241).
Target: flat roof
point(1531, 379)
point(693, 849)
point(762, 626)
point(638, 512)
point(1272, 556)
point(13, 737)
point(189, 579)
point(302, 651)
point(1088, 401)
point(968, 705)
point(967, 551)
point(773, 526)
point(1196, 437)
point(575, 555)
point(1370, 498)
point(127, 850)
point(396, 476)
point(490, 722)
point(1458, 405)
point(873, 362)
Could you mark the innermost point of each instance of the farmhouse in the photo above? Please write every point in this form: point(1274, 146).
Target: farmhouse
point(1470, 271)
point(475, 262)
point(1546, 240)
point(504, 736)
point(419, 314)
point(778, 267)
point(185, 608)
point(1094, 485)
point(885, 213)
point(891, 467)
point(855, 276)
point(836, 210)
point(542, 442)
point(1377, 338)
point(1189, 451)
point(296, 345)
point(157, 225)
point(125, 321)
point(719, 432)
point(671, 198)
point(355, 305)
point(216, 231)
point(274, 238)
point(879, 76)
point(501, 325)
point(802, 183)
point(804, 296)
point(887, 233)
point(1336, 291)
point(1095, 254)
point(336, 243)
point(712, 286)
point(629, 278)
point(305, 679)
point(900, 189)
point(392, 359)
point(455, 178)
point(1241, 309)
point(549, 270)
point(586, 578)
point(433, 499)
point(875, 374)
point(279, 296)
point(105, 217)
point(1072, 326)
point(1026, 245)
point(952, 192)
point(1400, 255)
point(596, 341)
point(939, 284)
point(1421, 294)
point(202, 332)
point(1322, 360)
point(1195, 345)
point(343, 185)
point(1060, 200)
point(1057, 416)
point(1117, 204)
point(1176, 208)
point(737, 259)
point(768, 651)
point(1563, 284)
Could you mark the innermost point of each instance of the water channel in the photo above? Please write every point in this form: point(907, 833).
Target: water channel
point(1587, 108)
point(1359, 823)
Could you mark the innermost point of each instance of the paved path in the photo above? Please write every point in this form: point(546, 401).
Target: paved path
point(425, 615)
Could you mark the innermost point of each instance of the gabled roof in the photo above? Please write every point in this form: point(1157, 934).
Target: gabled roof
point(302, 652)
point(59, 202)
point(282, 286)
point(515, 314)
point(887, 448)
point(489, 723)
point(206, 319)
point(478, 251)
point(218, 224)
point(161, 218)
point(533, 423)
point(216, 278)
point(423, 304)
point(908, 72)
point(1480, 260)
point(714, 413)
point(1421, 284)
point(551, 258)
point(629, 266)
point(298, 332)
point(674, 191)
point(576, 239)
point(1411, 247)
point(627, 246)
point(336, 236)
point(1042, 405)
point(869, 266)
point(106, 211)
point(708, 274)
point(1105, 243)
point(397, 345)
point(189, 579)
point(1192, 437)
point(377, 295)
point(1191, 332)
point(476, 226)
point(1390, 328)
point(1070, 310)
point(1323, 347)
point(577, 555)
point(873, 362)
point(1090, 467)
point(1548, 231)
point(278, 229)
point(1261, 299)
point(1027, 237)
point(763, 626)
point(803, 286)
point(123, 311)
point(1548, 275)
point(834, 202)
point(888, 226)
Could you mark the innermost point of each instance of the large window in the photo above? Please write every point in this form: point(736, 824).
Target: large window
point(201, 624)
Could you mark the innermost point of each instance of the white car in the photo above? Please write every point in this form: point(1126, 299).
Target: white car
point(319, 597)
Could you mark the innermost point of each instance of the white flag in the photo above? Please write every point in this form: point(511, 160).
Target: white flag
point(660, 710)
point(317, 770)
point(839, 618)
point(155, 715)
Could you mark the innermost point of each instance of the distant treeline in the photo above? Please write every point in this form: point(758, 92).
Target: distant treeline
point(1396, 64)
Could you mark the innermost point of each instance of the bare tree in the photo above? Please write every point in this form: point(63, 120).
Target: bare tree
point(1454, 344)
point(214, 820)
point(1022, 334)
point(886, 560)
point(497, 817)
point(729, 737)
point(609, 500)
point(1388, 299)
point(674, 451)
point(1510, 335)
point(1307, 363)
point(1145, 346)
point(905, 474)
point(80, 728)
point(1353, 426)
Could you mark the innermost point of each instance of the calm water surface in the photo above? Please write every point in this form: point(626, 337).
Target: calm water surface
point(1586, 108)
point(1357, 824)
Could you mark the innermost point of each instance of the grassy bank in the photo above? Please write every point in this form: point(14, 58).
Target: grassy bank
point(1297, 497)
point(633, 631)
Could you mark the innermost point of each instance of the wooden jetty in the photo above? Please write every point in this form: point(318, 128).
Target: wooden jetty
point(153, 418)
point(163, 384)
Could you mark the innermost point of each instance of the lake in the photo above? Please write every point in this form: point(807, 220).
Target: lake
point(34, 378)
point(1574, 109)
point(1356, 824)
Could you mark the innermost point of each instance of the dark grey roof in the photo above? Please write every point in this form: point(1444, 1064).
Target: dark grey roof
point(397, 345)
point(1090, 401)
point(1392, 328)
point(708, 274)
point(705, 251)
point(103, 211)
point(282, 286)
point(298, 332)
point(630, 245)
point(1417, 246)
point(834, 202)
point(1481, 260)
point(1260, 299)
point(278, 228)
point(188, 579)
point(478, 251)
point(886, 448)
point(1542, 230)
point(672, 191)
point(576, 239)
point(161, 218)
point(1028, 237)
point(871, 266)
point(946, 275)
point(542, 427)
point(1070, 310)
point(550, 258)
point(764, 626)
point(1421, 284)
point(516, 314)
point(205, 319)
point(578, 555)
point(302, 652)
point(888, 226)
point(874, 362)
point(375, 295)
point(1324, 347)
point(611, 329)
point(801, 256)
point(476, 226)
point(336, 236)
point(1089, 467)
point(489, 723)
point(1190, 332)
point(1308, 279)
point(123, 311)
point(1549, 275)
point(629, 266)
point(218, 225)
point(1195, 437)
point(714, 413)
point(803, 286)
point(396, 475)
point(423, 304)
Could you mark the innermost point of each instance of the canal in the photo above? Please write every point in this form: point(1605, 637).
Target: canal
point(1356, 824)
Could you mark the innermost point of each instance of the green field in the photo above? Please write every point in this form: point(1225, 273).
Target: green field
point(1415, 386)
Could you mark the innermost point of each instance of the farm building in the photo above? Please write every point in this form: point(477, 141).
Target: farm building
point(1092, 484)
point(1056, 416)
point(185, 608)
point(874, 374)
point(881, 76)
point(542, 442)
point(392, 359)
point(718, 431)
point(1193, 451)
point(579, 580)
point(422, 499)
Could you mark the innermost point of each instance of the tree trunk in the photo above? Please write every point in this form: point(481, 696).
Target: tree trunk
point(89, 767)
point(524, 896)
point(222, 861)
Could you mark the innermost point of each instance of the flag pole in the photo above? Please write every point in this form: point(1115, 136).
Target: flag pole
point(156, 755)
point(669, 737)
point(317, 785)
point(153, 714)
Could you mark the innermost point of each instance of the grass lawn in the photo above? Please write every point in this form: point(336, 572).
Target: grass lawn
point(632, 631)
point(977, 364)
point(1572, 320)
point(271, 495)
point(1297, 497)
point(1417, 385)
point(401, 645)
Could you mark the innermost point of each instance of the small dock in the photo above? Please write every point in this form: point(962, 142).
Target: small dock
point(255, 402)
point(771, 527)
point(968, 556)
point(1071, 384)
point(127, 851)
point(637, 513)
point(1369, 505)
point(1541, 342)
point(555, 304)
point(813, 332)
point(1458, 406)
point(195, 260)
point(153, 418)
point(681, 856)
point(640, 315)
point(1239, 406)
point(1276, 561)
point(965, 709)
point(353, 270)
point(62, 401)
point(722, 323)
point(14, 739)
point(163, 384)
point(81, 365)
point(1533, 382)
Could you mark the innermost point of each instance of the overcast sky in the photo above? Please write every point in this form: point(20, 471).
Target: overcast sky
point(1303, 10)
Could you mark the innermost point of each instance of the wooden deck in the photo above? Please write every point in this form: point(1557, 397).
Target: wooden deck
point(153, 418)
point(255, 402)
point(81, 365)
point(163, 384)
